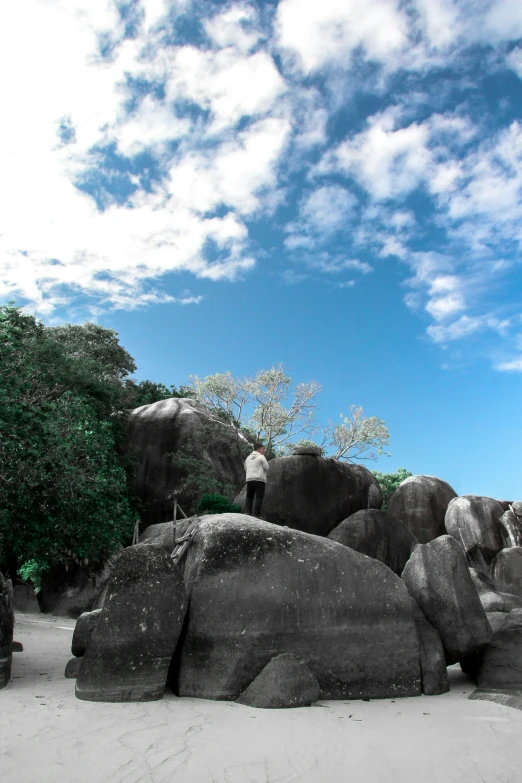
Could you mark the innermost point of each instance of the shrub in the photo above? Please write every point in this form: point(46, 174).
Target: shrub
point(217, 504)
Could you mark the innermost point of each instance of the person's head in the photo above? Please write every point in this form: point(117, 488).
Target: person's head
point(259, 447)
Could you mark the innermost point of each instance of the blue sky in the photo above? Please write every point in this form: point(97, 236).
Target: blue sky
point(333, 185)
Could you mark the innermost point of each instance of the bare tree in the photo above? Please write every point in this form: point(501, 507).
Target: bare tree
point(267, 405)
point(357, 437)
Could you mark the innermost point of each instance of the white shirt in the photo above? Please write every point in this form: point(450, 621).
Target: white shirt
point(256, 467)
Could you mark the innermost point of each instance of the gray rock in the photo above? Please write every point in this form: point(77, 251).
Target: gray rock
point(315, 494)
point(434, 674)
point(474, 521)
point(506, 571)
point(511, 527)
point(284, 682)
point(372, 532)
point(420, 502)
point(438, 578)
point(310, 451)
point(24, 599)
point(481, 581)
point(517, 508)
point(6, 630)
point(133, 641)
point(158, 433)
point(501, 664)
point(493, 601)
point(73, 591)
point(258, 590)
point(85, 625)
point(72, 668)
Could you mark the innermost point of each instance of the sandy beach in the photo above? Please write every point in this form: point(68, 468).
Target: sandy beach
point(49, 736)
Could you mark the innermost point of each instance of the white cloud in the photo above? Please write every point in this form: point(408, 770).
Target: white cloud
point(234, 27)
point(55, 244)
point(514, 60)
point(439, 20)
point(465, 326)
point(514, 365)
point(326, 209)
point(326, 32)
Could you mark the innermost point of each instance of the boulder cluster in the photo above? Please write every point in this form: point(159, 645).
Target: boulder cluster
point(327, 597)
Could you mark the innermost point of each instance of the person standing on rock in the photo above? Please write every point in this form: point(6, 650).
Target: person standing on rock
point(256, 467)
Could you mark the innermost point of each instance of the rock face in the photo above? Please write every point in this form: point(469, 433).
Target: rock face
point(258, 590)
point(85, 625)
point(420, 502)
point(500, 602)
point(474, 521)
point(6, 630)
point(434, 674)
point(372, 532)
point(72, 592)
point(506, 571)
point(130, 648)
point(159, 433)
point(284, 682)
point(501, 664)
point(511, 526)
point(438, 578)
point(315, 494)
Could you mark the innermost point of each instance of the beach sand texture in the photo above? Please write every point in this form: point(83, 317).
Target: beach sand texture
point(49, 736)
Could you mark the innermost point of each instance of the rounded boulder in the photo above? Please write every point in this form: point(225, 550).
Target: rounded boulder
point(372, 532)
point(420, 502)
point(474, 521)
point(258, 590)
point(314, 494)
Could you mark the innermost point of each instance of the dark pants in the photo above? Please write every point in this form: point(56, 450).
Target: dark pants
point(254, 495)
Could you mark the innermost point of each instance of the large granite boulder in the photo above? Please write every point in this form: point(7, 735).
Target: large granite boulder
point(501, 661)
point(258, 590)
point(314, 494)
point(160, 436)
point(6, 630)
point(284, 682)
point(372, 532)
point(420, 502)
point(434, 674)
point(129, 651)
point(474, 521)
point(506, 571)
point(511, 527)
point(438, 578)
point(500, 602)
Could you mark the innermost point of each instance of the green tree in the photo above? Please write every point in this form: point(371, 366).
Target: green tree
point(389, 483)
point(63, 492)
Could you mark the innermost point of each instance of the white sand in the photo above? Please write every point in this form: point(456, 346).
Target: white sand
point(49, 736)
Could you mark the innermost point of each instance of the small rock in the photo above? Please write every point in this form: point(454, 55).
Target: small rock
point(284, 682)
point(73, 668)
point(85, 625)
point(17, 647)
point(310, 451)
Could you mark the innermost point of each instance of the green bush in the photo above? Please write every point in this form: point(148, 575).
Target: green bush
point(217, 504)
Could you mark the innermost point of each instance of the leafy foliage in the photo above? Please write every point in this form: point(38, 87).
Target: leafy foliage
point(389, 483)
point(217, 504)
point(64, 495)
